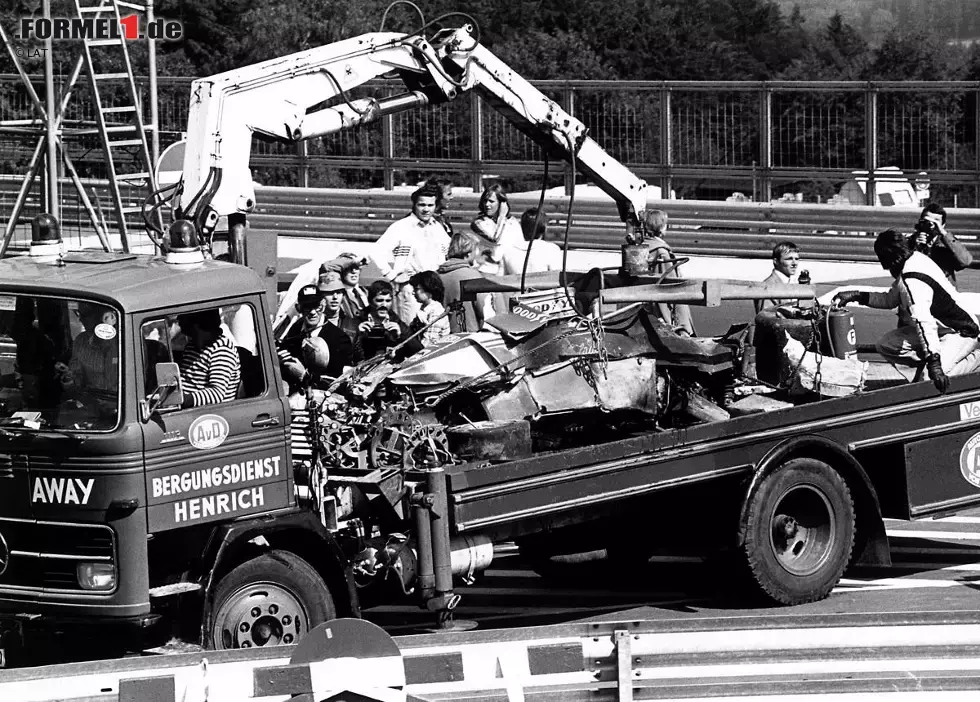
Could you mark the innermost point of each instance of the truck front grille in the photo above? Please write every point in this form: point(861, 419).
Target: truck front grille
point(44, 555)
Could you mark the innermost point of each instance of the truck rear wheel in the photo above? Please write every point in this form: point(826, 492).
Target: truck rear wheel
point(799, 532)
point(269, 600)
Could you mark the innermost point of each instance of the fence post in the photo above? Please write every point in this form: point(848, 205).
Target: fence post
point(388, 148)
point(765, 143)
point(302, 151)
point(666, 142)
point(476, 146)
point(976, 147)
point(568, 97)
point(871, 141)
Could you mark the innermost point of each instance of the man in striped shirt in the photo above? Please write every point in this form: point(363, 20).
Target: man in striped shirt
point(210, 367)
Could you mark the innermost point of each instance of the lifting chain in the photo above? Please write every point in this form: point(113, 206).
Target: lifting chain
point(814, 341)
point(598, 333)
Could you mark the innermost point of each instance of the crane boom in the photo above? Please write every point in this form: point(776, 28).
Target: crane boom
point(306, 95)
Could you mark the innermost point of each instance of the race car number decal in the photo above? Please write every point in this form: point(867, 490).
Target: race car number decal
point(970, 460)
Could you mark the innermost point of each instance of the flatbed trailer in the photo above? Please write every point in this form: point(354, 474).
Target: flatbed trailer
point(901, 452)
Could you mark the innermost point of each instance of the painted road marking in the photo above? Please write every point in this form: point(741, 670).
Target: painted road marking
point(848, 585)
point(937, 535)
point(752, 669)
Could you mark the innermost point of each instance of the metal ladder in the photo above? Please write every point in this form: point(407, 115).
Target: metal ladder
point(121, 127)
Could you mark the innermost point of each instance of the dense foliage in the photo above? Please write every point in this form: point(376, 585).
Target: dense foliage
point(628, 39)
point(695, 40)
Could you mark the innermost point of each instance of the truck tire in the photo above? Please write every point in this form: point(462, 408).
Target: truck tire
point(799, 531)
point(273, 599)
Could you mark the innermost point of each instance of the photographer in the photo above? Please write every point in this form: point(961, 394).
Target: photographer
point(379, 328)
point(941, 336)
point(932, 239)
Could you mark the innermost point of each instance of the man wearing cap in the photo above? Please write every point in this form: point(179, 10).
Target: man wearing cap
point(347, 268)
point(300, 358)
point(411, 245)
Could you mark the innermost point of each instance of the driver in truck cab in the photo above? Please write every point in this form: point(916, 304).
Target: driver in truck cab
point(94, 364)
point(210, 368)
point(941, 332)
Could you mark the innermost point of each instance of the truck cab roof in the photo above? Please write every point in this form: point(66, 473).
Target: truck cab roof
point(135, 282)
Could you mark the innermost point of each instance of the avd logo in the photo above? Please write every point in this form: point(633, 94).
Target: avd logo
point(208, 431)
point(970, 460)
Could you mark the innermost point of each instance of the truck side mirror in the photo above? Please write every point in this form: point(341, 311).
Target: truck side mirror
point(168, 395)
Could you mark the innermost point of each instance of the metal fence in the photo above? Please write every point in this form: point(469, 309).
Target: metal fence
point(700, 140)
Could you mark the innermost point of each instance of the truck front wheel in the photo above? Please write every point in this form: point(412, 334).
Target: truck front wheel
point(269, 600)
point(799, 531)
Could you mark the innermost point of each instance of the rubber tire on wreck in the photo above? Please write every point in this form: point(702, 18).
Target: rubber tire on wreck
point(284, 570)
point(817, 484)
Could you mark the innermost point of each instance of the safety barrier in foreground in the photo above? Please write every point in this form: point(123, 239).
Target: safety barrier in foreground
point(351, 659)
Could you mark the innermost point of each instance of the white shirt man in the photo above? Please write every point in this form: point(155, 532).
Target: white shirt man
point(785, 270)
point(411, 245)
point(545, 256)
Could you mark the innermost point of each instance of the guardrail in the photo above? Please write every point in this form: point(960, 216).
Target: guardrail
point(697, 227)
point(700, 227)
point(769, 658)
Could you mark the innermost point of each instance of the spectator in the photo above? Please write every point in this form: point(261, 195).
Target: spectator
point(430, 292)
point(785, 269)
point(348, 266)
point(379, 330)
point(544, 255)
point(333, 290)
point(933, 239)
point(661, 263)
point(463, 251)
point(936, 302)
point(498, 229)
point(411, 245)
point(444, 187)
point(210, 369)
point(301, 360)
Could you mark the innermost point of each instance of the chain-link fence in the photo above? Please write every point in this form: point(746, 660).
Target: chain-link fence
point(699, 140)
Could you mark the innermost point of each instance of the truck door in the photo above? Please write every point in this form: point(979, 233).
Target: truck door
point(943, 471)
point(224, 459)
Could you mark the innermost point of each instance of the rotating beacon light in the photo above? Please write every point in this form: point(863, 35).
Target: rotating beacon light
point(46, 236)
point(184, 245)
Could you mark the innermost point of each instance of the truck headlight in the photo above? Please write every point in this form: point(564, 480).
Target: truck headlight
point(96, 576)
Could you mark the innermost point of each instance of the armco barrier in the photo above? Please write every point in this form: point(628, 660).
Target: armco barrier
point(825, 232)
point(698, 227)
point(748, 657)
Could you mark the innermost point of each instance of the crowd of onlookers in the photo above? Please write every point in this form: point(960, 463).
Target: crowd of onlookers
point(329, 320)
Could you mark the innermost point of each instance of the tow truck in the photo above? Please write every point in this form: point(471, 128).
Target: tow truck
point(588, 420)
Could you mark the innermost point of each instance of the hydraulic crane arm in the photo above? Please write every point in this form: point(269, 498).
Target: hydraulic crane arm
point(305, 95)
point(543, 120)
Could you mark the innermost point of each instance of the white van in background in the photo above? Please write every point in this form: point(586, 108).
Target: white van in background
point(892, 189)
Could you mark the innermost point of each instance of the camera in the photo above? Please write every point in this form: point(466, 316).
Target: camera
point(931, 231)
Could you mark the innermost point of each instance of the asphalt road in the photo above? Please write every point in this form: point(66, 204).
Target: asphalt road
point(935, 569)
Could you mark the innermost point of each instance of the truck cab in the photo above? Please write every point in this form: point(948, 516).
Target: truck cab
point(106, 499)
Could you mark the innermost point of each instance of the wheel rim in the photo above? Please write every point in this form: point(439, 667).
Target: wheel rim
point(257, 615)
point(803, 530)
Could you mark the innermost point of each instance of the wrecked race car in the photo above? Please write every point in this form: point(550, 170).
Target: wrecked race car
point(544, 377)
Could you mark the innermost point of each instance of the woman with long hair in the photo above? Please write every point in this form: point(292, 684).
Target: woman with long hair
point(496, 227)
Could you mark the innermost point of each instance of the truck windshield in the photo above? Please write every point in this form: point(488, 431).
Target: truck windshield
point(59, 363)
